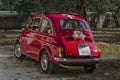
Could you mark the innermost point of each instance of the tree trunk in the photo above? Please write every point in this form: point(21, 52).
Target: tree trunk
point(93, 19)
point(81, 9)
point(100, 21)
point(116, 20)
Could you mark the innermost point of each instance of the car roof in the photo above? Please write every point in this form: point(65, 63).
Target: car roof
point(59, 16)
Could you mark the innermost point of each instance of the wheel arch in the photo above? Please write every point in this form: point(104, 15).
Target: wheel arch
point(16, 41)
point(48, 51)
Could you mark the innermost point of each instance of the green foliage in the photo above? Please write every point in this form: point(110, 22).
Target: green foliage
point(28, 6)
point(100, 7)
point(1, 5)
point(114, 5)
point(25, 6)
point(8, 4)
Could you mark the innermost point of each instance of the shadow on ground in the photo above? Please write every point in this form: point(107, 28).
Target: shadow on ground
point(28, 69)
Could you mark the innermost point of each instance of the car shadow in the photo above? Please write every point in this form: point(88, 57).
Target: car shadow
point(106, 68)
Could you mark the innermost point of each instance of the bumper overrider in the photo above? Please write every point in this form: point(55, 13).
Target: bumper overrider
point(88, 60)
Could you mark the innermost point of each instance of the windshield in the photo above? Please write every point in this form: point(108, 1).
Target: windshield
point(72, 24)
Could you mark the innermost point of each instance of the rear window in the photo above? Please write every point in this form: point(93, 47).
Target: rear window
point(72, 24)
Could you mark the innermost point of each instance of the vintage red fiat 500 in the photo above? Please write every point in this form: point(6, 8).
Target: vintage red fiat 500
point(58, 38)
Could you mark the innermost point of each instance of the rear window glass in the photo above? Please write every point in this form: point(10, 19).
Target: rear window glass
point(72, 24)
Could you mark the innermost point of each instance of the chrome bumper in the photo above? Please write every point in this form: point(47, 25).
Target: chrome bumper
point(77, 60)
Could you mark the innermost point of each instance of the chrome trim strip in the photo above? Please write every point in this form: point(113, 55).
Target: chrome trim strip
point(76, 60)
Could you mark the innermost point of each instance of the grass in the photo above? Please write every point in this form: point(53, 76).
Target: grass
point(110, 35)
point(7, 39)
point(108, 40)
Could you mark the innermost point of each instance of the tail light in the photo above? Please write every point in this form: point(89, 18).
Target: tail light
point(61, 51)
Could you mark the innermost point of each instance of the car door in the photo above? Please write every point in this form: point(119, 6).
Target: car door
point(25, 35)
point(47, 35)
point(38, 38)
point(30, 43)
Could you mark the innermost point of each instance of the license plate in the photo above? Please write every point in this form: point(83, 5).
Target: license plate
point(84, 50)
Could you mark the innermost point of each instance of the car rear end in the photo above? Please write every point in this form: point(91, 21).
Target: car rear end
point(76, 43)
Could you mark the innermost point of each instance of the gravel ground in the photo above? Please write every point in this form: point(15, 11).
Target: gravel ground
point(28, 69)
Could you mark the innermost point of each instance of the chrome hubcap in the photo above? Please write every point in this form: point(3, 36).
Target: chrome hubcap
point(17, 51)
point(44, 62)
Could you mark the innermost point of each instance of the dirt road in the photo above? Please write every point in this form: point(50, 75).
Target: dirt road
point(28, 69)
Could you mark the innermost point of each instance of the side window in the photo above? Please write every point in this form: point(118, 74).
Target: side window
point(35, 24)
point(27, 23)
point(45, 27)
point(82, 25)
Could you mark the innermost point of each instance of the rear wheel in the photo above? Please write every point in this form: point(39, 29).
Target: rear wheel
point(45, 63)
point(17, 51)
point(90, 68)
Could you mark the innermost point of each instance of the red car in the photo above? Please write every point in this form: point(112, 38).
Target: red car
point(58, 38)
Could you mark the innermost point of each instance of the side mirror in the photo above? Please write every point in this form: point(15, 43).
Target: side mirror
point(25, 27)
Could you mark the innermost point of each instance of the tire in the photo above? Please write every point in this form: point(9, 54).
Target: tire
point(17, 51)
point(90, 69)
point(46, 65)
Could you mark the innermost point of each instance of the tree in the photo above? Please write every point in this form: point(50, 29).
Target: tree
point(115, 9)
point(25, 7)
point(29, 6)
point(99, 8)
point(80, 7)
point(1, 5)
point(8, 4)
